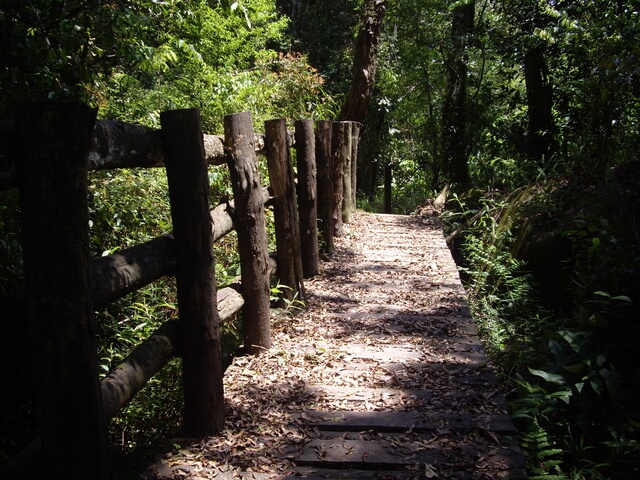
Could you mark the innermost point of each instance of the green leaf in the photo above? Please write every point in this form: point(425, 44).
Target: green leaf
point(576, 367)
point(557, 349)
point(622, 298)
point(549, 377)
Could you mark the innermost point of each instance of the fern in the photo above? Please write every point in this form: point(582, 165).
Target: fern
point(534, 412)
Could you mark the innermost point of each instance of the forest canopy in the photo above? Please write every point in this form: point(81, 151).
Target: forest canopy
point(134, 59)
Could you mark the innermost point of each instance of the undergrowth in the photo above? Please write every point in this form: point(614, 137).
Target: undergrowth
point(571, 379)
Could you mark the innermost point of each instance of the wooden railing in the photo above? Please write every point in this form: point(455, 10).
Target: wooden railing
point(63, 286)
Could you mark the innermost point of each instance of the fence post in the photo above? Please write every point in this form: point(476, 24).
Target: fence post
point(347, 207)
point(195, 275)
point(307, 196)
point(324, 160)
point(285, 210)
point(355, 135)
point(54, 141)
point(338, 154)
point(251, 230)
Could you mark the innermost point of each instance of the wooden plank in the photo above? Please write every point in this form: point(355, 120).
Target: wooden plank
point(363, 394)
point(460, 374)
point(381, 286)
point(316, 473)
point(164, 472)
point(463, 324)
point(407, 421)
point(368, 352)
point(367, 455)
point(440, 397)
point(397, 454)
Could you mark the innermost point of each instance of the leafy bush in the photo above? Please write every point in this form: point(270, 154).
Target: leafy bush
point(575, 404)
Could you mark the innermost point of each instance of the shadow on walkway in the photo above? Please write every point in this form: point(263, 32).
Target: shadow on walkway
point(382, 377)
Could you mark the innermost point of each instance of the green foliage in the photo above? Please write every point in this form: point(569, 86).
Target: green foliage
point(533, 411)
point(575, 404)
point(127, 207)
point(58, 50)
point(213, 58)
point(290, 307)
point(11, 265)
point(136, 60)
point(580, 407)
point(155, 411)
point(284, 86)
point(502, 294)
point(324, 32)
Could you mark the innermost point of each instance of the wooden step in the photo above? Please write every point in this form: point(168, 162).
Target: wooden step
point(395, 454)
point(407, 421)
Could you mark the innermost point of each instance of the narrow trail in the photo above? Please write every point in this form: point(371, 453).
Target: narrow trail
point(382, 377)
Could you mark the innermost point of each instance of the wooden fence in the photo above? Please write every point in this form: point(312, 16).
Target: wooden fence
point(60, 143)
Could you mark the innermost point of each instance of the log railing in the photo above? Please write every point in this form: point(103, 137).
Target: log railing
point(180, 146)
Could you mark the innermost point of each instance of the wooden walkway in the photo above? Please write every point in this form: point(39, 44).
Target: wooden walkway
point(383, 377)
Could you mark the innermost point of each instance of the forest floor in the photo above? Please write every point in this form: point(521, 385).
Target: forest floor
point(382, 376)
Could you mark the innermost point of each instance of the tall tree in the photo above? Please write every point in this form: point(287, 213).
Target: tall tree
point(323, 30)
point(364, 62)
point(540, 136)
point(453, 164)
point(529, 21)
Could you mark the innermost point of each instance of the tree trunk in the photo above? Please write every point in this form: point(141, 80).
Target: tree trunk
point(453, 165)
point(251, 229)
point(364, 62)
point(54, 141)
point(373, 174)
point(540, 141)
point(307, 196)
point(375, 132)
point(388, 193)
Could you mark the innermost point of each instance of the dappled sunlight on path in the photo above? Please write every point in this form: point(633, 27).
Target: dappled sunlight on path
point(383, 376)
